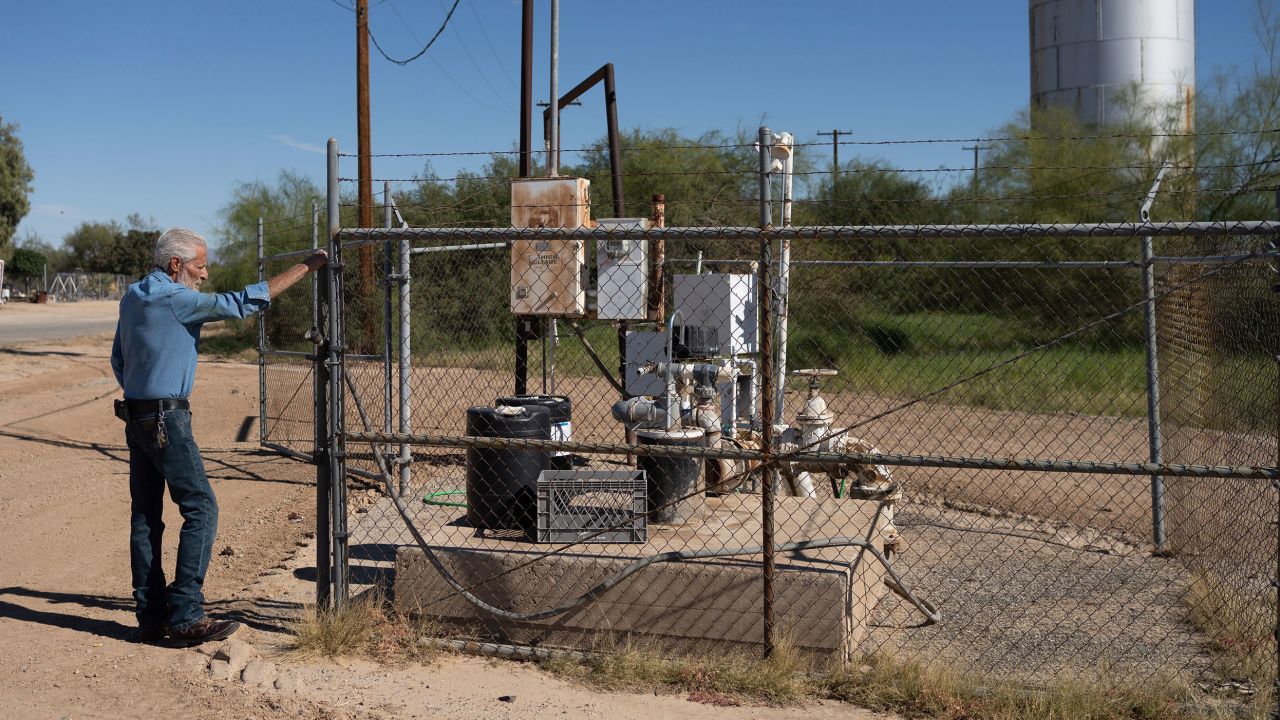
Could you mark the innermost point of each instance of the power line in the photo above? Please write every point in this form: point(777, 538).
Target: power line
point(476, 65)
point(492, 49)
point(461, 88)
point(424, 50)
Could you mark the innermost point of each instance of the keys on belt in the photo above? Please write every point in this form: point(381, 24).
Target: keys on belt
point(145, 409)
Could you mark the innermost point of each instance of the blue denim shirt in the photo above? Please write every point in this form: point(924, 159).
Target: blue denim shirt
point(158, 335)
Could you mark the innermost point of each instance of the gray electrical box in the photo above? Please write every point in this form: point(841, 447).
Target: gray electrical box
point(723, 301)
point(644, 348)
point(622, 272)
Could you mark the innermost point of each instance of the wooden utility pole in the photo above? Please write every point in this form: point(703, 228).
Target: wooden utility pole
point(364, 288)
point(362, 116)
point(835, 151)
point(976, 148)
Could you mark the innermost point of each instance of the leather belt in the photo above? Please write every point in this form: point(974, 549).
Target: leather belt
point(143, 408)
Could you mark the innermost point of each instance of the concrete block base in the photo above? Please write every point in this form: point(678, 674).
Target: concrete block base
point(822, 597)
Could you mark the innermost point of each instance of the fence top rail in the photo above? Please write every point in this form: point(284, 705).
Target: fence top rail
point(1097, 467)
point(816, 232)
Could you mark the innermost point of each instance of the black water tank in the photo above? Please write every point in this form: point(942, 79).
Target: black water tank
point(675, 482)
point(561, 409)
point(502, 483)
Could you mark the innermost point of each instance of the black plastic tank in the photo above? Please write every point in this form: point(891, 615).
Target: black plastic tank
point(561, 409)
point(502, 483)
point(675, 491)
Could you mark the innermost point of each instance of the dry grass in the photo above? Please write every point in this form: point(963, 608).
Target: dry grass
point(882, 683)
point(1242, 630)
point(724, 676)
point(364, 626)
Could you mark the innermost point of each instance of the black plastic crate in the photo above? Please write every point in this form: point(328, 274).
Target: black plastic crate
point(575, 504)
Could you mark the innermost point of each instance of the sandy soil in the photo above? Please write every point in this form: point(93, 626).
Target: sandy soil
point(65, 611)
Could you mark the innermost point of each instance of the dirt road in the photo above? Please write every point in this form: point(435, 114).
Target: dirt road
point(65, 609)
point(26, 322)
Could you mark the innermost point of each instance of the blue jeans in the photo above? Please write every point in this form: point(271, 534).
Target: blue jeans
point(179, 465)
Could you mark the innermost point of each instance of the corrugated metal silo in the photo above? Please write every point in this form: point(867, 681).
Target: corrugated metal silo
point(1090, 55)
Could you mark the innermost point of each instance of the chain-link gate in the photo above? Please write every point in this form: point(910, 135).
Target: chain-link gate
point(1034, 449)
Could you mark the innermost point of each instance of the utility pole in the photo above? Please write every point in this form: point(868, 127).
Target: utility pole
point(976, 148)
point(835, 152)
point(362, 116)
point(363, 159)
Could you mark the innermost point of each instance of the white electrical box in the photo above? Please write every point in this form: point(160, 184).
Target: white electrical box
point(644, 348)
point(622, 272)
point(723, 301)
point(547, 275)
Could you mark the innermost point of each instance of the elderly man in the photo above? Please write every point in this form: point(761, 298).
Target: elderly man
point(154, 359)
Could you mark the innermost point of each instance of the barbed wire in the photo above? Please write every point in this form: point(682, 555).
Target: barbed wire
point(1189, 169)
point(1131, 191)
point(920, 141)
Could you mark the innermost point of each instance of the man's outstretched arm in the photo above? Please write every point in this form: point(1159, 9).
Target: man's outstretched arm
point(287, 278)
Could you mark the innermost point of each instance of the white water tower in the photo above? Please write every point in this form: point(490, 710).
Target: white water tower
point(1092, 55)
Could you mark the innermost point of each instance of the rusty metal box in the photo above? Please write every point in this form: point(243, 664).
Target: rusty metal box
point(547, 275)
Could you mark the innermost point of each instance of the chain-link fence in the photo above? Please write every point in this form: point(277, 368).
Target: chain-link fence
point(1036, 450)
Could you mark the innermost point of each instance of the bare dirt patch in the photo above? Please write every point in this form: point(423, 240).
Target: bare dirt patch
point(65, 607)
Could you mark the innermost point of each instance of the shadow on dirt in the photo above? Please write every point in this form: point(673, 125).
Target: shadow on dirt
point(260, 613)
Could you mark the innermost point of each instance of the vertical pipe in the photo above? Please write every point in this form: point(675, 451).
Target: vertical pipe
point(526, 170)
point(262, 348)
point(315, 245)
point(387, 339)
point(619, 204)
point(406, 360)
point(323, 449)
point(553, 153)
point(658, 253)
point(766, 366)
point(782, 300)
point(1153, 371)
point(336, 341)
point(526, 88)
point(1275, 687)
point(615, 143)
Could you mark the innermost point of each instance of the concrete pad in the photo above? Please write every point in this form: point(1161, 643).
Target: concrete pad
point(822, 597)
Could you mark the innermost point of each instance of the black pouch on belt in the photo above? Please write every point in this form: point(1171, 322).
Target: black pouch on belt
point(122, 410)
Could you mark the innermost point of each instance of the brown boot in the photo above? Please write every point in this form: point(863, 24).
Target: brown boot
point(203, 631)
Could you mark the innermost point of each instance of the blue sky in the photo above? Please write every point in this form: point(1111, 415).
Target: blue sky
point(161, 107)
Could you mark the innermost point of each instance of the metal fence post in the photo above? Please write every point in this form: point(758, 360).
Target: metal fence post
point(1275, 583)
point(262, 349)
point(405, 278)
point(763, 290)
point(1153, 371)
point(386, 321)
point(321, 383)
point(337, 426)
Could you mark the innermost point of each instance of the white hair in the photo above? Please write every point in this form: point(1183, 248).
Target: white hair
point(181, 243)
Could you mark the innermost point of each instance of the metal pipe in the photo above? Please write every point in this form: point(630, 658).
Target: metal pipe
point(952, 264)
point(782, 300)
point(1153, 370)
point(603, 74)
point(1098, 467)
point(1275, 582)
point(387, 341)
point(850, 232)
point(262, 348)
point(526, 88)
point(768, 471)
point(658, 254)
point(315, 245)
point(335, 339)
point(405, 279)
point(323, 433)
point(451, 248)
point(553, 150)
